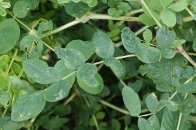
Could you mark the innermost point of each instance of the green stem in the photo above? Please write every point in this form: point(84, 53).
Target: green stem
point(13, 58)
point(48, 46)
point(145, 5)
point(69, 99)
point(192, 54)
point(114, 107)
point(192, 15)
point(179, 120)
point(123, 83)
point(4, 112)
point(146, 115)
point(68, 75)
point(60, 28)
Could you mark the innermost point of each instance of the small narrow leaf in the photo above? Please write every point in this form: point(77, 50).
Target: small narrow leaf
point(148, 54)
point(147, 35)
point(10, 33)
point(143, 124)
point(40, 72)
point(152, 103)
point(57, 91)
point(115, 65)
point(95, 89)
point(131, 101)
point(130, 41)
point(188, 87)
point(86, 48)
point(28, 106)
point(104, 46)
point(72, 58)
point(168, 17)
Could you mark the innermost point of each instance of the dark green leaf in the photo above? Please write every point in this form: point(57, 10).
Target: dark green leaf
point(72, 58)
point(86, 48)
point(131, 101)
point(40, 72)
point(28, 106)
point(130, 41)
point(194, 45)
point(10, 33)
point(115, 65)
point(104, 46)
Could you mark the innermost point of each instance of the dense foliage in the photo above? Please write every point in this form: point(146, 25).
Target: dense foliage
point(97, 64)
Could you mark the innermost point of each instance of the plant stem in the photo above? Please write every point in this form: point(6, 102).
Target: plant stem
point(192, 54)
point(183, 52)
point(61, 28)
point(114, 107)
point(48, 46)
point(179, 120)
point(192, 15)
point(123, 83)
point(146, 115)
point(108, 17)
point(68, 75)
point(13, 58)
point(4, 112)
point(69, 99)
point(187, 19)
point(135, 11)
point(95, 121)
point(145, 5)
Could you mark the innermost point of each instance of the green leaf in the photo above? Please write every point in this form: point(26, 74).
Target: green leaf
point(152, 103)
point(6, 123)
point(104, 46)
point(147, 35)
point(86, 48)
point(171, 105)
point(92, 89)
point(147, 20)
point(148, 54)
point(143, 124)
point(125, 7)
point(57, 91)
point(44, 26)
point(9, 36)
point(28, 106)
point(100, 115)
point(22, 7)
point(4, 99)
point(115, 124)
point(76, 9)
point(72, 58)
point(165, 38)
point(130, 41)
point(39, 71)
point(86, 73)
point(15, 82)
point(4, 61)
point(188, 87)
point(154, 122)
point(168, 17)
point(2, 11)
point(166, 3)
point(178, 5)
point(115, 65)
point(55, 123)
point(194, 45)
point(131, 101)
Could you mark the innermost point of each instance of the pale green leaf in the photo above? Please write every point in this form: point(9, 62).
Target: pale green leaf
point(131, 101)
point(44, 26)
point(143, 124)
point(178, 5)
point(92, 89)
point(10, 33)
point(6, 123)
point(86, 48)
point(39, 71)
point(171, 105)
point(57, 91)
point(168, 17)
point(166, 3)
point(154, 122)
point(130, 41)
point(147, 35)
point(28, 106)
point(148, 54)
point(103, 44)
point(72, 58)
point(147, 20)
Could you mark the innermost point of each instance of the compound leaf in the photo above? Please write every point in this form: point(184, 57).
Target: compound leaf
point(131, 101)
